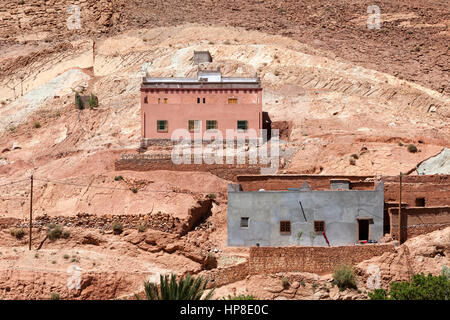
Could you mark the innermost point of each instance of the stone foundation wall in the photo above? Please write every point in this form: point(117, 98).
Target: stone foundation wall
point(319, 260)
point(164, 162)
point(222, 276)
point(157, 221)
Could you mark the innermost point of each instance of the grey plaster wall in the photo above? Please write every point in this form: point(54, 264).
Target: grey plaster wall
point(339, 209)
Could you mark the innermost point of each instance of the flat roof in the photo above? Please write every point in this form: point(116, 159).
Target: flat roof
point(195, 83)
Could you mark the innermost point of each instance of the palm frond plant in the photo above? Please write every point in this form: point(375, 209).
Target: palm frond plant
point(186, 288)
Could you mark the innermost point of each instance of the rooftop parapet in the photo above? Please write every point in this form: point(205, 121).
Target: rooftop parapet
point(205, 79)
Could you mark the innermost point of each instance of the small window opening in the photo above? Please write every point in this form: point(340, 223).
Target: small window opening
point(211, 124)
point(242, 124)
point(420, 202)
point(161, 125)
point(319, 226)
point(285, 227)
point(194, 125)
point(244, 222)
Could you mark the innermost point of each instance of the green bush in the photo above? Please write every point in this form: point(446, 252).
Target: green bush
point(445, 272)
point(79, 103)
point(92, 101)
point(65, 234)
point(186, 288)
point(378, 294)
point(412, 148)
point(142, 227)
point(18, 233)
point(420, 287)
point(117, 227)
point(54, 296)
point(134, 190)
point(117, 178)
point(212, 196)
point(344, 277)
point(54, 231)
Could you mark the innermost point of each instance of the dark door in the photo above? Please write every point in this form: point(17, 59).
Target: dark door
point(363, 229)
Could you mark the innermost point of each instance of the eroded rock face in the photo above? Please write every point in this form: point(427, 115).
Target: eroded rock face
point(438, 164)
point(92, 239)
point(90, 264)
point(426, 253)
point(43, 21)
point(26, 284)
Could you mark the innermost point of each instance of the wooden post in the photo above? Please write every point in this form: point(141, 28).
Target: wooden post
point(401, 220)
point(31, 210)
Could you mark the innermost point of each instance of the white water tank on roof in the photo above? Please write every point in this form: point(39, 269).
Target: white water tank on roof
point(210, 76)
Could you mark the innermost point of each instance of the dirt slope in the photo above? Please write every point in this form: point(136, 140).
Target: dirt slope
point(411, 44)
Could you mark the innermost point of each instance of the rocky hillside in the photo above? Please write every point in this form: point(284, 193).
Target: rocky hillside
point(412, 43)
point(351, 99)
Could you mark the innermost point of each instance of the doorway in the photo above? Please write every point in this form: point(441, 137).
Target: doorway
point(363, 229)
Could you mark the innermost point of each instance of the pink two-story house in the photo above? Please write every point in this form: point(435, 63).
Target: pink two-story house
point(209, 102)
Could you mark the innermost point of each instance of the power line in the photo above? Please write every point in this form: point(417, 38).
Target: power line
point(147, 191)
point(119, 189)
point(13, 182)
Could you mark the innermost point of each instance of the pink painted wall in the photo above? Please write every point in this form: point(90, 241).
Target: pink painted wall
point(182, 106)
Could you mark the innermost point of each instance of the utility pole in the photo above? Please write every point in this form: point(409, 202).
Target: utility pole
point(21, 85)
point(31, 210)
point(401, 220)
